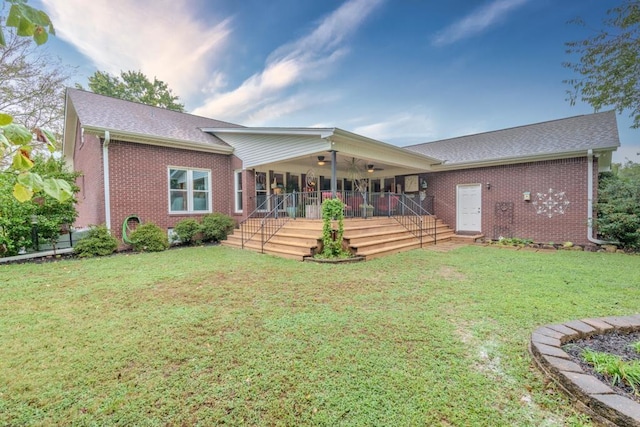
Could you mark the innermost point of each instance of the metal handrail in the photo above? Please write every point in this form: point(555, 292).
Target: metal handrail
point(412, 222)
point(411, 214)
point(411, 217)
point(272, 219)
point(432, 229)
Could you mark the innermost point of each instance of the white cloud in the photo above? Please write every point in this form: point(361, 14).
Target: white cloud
point(308, 58)
point(271, 113)
point(162, 38)
point(477, 21)
point(404, 129)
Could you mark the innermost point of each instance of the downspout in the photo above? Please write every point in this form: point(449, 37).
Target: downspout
point(590, 202)
point(105, 168)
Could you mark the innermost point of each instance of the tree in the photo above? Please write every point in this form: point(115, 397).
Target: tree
point(32, 86)
point(134, 86)
point(28, 22)
point(16, 141)
point(609, 64)
point(618, 206)
point(17, 219)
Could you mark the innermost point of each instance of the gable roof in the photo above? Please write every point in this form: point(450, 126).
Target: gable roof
point(144, 123)
point(553, 139)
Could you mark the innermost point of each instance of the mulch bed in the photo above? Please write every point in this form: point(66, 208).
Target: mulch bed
point(614, 343)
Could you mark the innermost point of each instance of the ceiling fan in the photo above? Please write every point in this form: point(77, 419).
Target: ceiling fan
point(371, 168)
point(322, 161)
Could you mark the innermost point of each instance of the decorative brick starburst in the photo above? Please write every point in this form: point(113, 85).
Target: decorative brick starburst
point(551, 203)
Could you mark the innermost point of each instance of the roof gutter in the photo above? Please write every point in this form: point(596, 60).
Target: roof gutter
point(105, 170)
point(590, 202)
point(159, 141)
point(512, 160)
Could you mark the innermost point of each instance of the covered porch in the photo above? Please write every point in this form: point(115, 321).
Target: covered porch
point(308, 165)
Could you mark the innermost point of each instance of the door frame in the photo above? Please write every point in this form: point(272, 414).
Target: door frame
point(459, 212)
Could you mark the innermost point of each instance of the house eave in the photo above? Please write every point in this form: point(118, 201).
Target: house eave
point(335, 139)
point(319, 132)
point(514, 160)
point(158, 141)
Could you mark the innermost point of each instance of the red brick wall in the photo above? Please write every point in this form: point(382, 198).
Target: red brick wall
point(87, 159)
point(139, 183)
point(508, 183)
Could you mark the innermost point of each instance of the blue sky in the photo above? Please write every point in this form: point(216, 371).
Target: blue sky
point(401, 71)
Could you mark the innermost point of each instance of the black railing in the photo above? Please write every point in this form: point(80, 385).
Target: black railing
point(414, 212)
point(269, 217)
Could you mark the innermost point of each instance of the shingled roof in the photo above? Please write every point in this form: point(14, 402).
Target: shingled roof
point(101, 112)
point(564, 137)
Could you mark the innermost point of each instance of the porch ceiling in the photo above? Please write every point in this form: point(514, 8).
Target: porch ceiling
point(297, 150)
point(344, 164)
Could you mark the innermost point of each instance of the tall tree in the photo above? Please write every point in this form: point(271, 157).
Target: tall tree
point(135, 86)
point(32, 85)
point(16, 140)
point(609, 64)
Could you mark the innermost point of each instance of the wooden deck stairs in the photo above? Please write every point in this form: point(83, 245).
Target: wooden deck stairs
point(370, 238)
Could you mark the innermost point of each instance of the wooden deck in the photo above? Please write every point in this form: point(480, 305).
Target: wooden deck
point(371, 238)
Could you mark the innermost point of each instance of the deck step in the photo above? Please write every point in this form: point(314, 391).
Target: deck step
point(370, 237)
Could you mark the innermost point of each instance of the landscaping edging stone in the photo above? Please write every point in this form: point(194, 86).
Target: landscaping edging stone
point(587, 392)
point(333, 260)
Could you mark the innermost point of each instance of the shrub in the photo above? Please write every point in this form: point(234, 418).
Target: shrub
point(97, 242)
point(217, 226)
point(187, 230)
point(17, 218)
point(618, 370)
point(619, 210)
point(332, 211)
point(149, 238)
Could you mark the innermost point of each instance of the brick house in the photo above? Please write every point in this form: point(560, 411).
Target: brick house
point(536, 181)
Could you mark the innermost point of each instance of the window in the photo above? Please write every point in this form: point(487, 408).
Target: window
point(189, 190)
point(238, 190)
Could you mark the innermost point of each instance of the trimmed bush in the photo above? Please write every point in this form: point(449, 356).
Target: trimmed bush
point(97, 242)
point(149, 238)
point(187, 230)
point(217, 226)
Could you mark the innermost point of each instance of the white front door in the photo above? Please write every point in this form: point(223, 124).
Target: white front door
point(469, 203)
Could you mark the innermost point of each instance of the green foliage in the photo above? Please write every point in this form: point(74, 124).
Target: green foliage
point(636, 346)
point(186, 230)
point(149, 238)
point(618, 208)
point(97, 242)
point(608, 64)
point(15, 139)
point(513, 241)
point(216, 226)
point(613, 366)
point(15, 219)
point(28, 22)
point(333, 215)
point(134, 86)
point(46, 211)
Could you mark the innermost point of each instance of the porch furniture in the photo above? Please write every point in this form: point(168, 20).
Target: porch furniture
point(352, 202)
point(387, 204)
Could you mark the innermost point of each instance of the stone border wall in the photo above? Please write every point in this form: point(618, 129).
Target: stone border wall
point(590, 394)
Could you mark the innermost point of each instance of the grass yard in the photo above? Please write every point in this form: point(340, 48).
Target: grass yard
point(213, 336)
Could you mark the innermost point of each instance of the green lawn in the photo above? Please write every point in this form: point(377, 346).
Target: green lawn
point(212, 336)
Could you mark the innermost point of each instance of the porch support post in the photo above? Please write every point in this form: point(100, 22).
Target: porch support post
point(334, 178)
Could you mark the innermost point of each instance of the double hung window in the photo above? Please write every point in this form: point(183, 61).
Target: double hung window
point(189, 190)
point(237, 179)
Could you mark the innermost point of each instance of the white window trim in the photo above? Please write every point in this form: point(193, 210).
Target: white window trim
point(190, 190)
point(237, 174)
